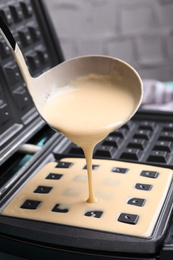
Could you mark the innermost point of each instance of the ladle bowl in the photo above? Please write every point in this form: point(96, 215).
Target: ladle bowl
point(50, 82)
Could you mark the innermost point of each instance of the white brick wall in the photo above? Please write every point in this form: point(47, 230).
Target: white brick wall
point(137, 31)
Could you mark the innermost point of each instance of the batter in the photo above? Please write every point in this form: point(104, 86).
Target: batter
point(65, 200)
point(87, 110)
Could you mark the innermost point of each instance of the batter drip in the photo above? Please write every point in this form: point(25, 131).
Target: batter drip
point(87, 110)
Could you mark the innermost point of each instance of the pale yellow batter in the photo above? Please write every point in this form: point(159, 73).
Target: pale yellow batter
point(112, 189)
point(87, 110)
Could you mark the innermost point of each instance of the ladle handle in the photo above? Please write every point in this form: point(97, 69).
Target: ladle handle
point(8, 37)
point(7, 34)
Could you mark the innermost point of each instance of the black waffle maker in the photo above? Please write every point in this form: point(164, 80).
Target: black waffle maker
point(146, 139)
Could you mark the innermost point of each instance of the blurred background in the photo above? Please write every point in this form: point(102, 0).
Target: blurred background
point(137, 31)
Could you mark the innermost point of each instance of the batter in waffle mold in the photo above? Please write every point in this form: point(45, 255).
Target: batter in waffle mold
point(130, 196)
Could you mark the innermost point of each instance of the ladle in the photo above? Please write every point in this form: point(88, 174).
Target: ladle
point(55, 81)
point(46, 85)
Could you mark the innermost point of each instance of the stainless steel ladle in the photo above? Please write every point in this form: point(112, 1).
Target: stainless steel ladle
point(49, 83)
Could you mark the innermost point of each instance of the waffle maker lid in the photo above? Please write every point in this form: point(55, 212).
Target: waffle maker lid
point(19, 120)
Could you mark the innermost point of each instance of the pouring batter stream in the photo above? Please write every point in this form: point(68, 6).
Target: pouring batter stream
point(86, 111)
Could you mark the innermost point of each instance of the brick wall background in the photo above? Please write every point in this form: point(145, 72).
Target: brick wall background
point(137, 31)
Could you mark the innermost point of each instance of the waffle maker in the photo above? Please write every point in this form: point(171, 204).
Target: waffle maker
point(146, 140)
